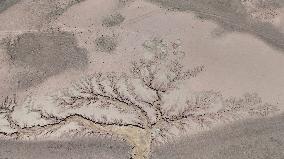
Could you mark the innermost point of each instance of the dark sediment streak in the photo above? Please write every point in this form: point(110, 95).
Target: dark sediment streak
point(74, 149)
point(262, 139)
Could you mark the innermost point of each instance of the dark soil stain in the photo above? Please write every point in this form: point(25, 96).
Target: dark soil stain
point(42, 55)
point(232, 16)
point(5, 4)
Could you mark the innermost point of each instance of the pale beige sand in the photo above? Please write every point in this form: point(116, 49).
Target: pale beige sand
point(236, 63)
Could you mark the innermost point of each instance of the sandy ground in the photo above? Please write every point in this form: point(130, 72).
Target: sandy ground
point(262, 139)
point(242, 52)
point(236, 62)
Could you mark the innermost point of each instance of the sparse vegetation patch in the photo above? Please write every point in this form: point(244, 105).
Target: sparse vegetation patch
point(106, 43)
point(113, 20)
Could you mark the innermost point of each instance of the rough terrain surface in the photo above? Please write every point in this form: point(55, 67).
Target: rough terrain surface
point(143, 72)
